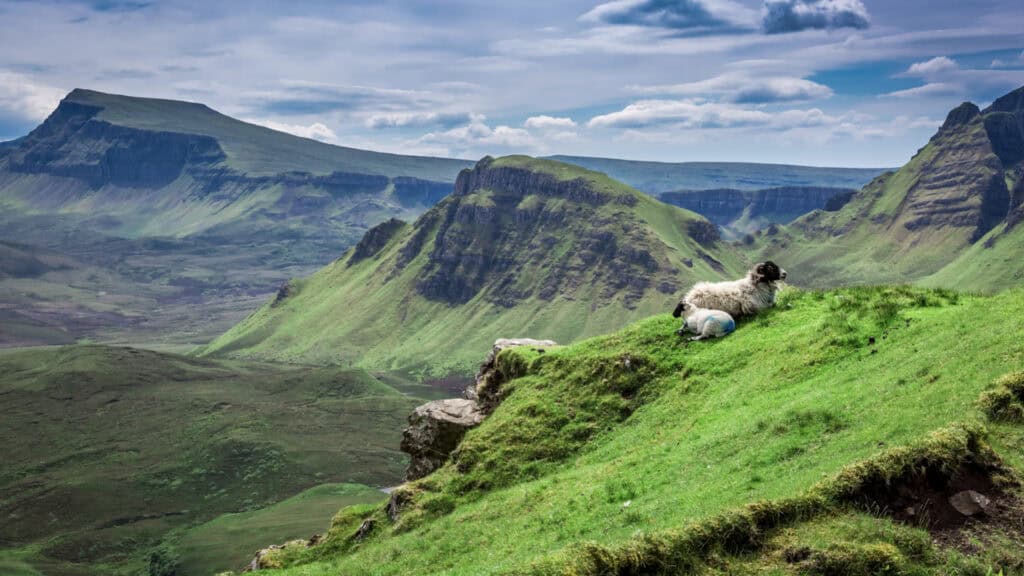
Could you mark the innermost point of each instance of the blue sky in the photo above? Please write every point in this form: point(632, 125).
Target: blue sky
point(821, 82)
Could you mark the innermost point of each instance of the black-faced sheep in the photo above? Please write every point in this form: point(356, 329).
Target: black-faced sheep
point(705, 323)
point(744, 297)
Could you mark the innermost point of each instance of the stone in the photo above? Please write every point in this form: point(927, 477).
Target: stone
point(486, 387)
point(969, 502)
point(435, 430)
point(364, 530)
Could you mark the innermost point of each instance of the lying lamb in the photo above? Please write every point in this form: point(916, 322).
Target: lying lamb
point(743, 297)
point(705, 323)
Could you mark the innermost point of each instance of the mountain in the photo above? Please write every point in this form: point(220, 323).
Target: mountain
point(948, 217)
point(111, 452)
point(741, 212)
point(522, 246)
point(856, 432)
point(190, 212)
point(656, 178)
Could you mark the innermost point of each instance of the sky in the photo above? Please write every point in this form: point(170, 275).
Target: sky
point(815, 82)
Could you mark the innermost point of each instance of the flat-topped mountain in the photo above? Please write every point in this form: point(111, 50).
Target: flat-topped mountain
point(181, 215)
point(522, 246)
point(948, 217)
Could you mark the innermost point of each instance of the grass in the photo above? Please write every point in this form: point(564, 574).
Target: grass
point(568, 268)
point(695, 455)
point(231, 540)
point(129, 447)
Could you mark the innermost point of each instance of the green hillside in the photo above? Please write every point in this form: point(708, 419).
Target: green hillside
point(948, 217)
point(112, 452)
point(824, 437)
point(254, 149)
point(181, 218)
point(522, 247)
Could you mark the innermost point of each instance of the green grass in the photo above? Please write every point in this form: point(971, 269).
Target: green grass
point(230, 541)
point(751, 434)
point(109, 450)
point(373, 313)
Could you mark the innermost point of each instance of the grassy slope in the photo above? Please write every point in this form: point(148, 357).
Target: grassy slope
point(686, 434)
point(256, 150)
point(657, 177)
point(126, 445)
point(984, 267)
point(231, 540)
point(361, 313)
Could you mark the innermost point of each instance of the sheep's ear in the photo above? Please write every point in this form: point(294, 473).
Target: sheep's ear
point(679, 310)
point(759, 271)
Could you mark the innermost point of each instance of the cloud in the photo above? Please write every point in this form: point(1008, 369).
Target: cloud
point(743, 89)
point(22, 97)
point(417, 119)
point(685, 113)
point(549, 122)
point(932, 67)
point(478, 138)
point(782, 16)
point(315, 131)
point(672, 14)
point(998, 63)
point(298, 98)
point(930, 90)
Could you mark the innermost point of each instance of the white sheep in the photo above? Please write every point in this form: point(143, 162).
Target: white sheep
point(738, 298)
point(705, 323)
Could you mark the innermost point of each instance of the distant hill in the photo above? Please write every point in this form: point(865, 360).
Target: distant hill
point(950, 217)
point(111, 451)
point(236, 209)
point(658, 177)
point(522, 246)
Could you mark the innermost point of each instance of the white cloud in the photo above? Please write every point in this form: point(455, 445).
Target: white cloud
point(417, 119)
point(673, 14)
point(932, 89)
point(543, 122)
point(685, 113)
point(23, 97)
point(315, 131)
point(478, 135)
point(933, 67)
point(741, 88)
point(997, 63)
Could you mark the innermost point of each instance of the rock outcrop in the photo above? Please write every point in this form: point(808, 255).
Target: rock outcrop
point(731, 208)
point(435, 430)
point(486, 387)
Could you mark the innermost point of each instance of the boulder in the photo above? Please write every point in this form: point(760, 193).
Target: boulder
point(486, 387)
point(969, 502)
point(435, 430)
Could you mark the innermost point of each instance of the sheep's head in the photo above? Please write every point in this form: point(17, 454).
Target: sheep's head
point(768, 272)
point(683, 309)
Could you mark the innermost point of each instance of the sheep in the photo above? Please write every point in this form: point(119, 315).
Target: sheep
point(705, 323)
point(738, 298)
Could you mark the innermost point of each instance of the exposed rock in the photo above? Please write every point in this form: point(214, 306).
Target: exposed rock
point(416, 192)
point(375, 240)
point(286, 291)
point(364, 530)
point(399, 498)
point(486, 387)
point(723, 206)
point(703, 231)
point(960, 116)
point(435, 430)
point(969, 502)
point(264, 559)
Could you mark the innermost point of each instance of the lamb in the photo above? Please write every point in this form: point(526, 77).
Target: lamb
point(738, 298)
point(705, 323)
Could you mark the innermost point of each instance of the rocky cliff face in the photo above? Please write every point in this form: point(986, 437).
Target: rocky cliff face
point(503, 220)
point(732, 209)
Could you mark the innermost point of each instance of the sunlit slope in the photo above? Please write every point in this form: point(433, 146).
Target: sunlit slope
point(634, 453)
point(522, 247)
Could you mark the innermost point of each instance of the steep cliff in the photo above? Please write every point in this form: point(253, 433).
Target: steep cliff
point(945, 218)
point(521, 246)
point(743, 211)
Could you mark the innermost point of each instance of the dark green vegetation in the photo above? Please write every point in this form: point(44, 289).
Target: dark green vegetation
point(173, 219)
point(823, 437)
point(950, 217)
point(114, 454)
point(522, 247)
